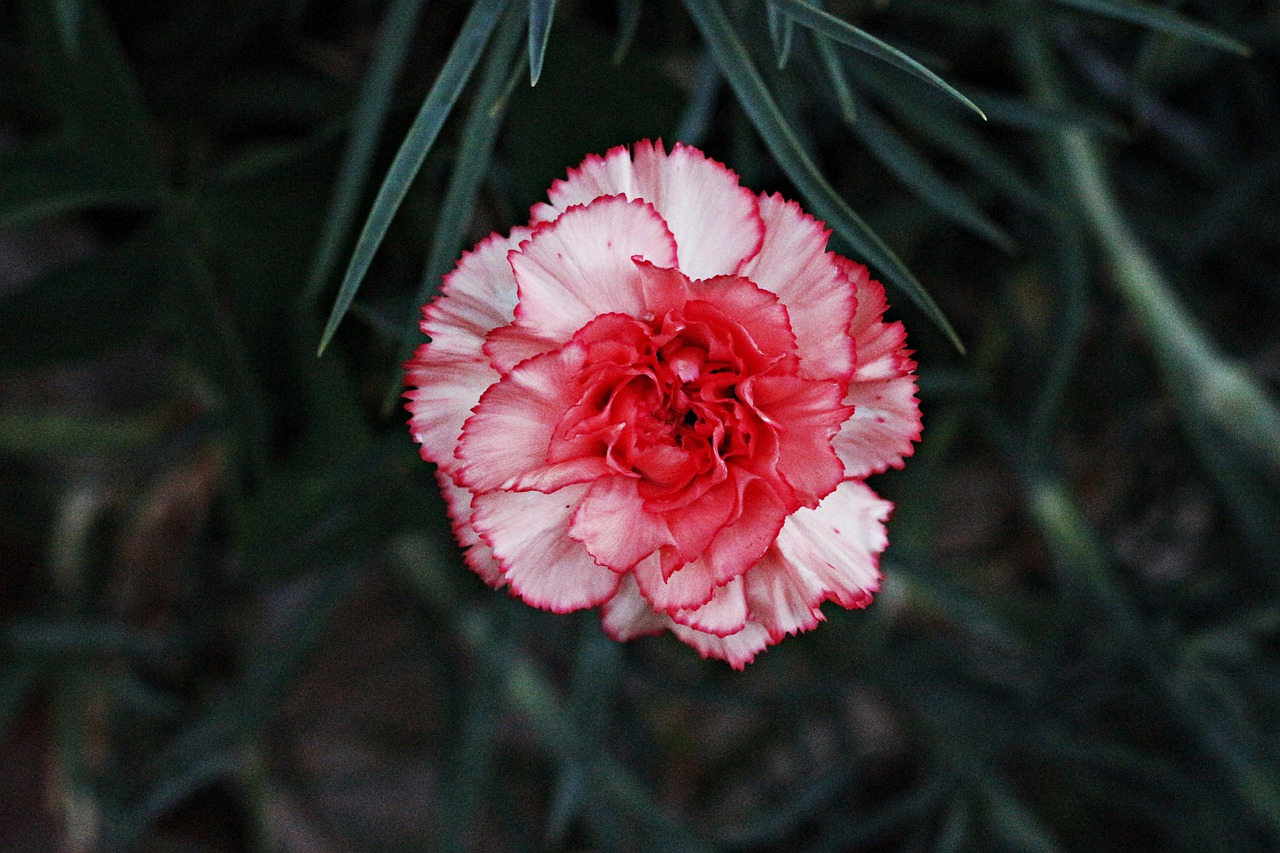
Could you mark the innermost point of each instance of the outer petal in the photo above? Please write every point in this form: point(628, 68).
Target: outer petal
point(724, 614)
point(840, 542)
point(714, 220)
point(783, 596)
point(581, 266)
point(504, 444)
point(448, 375)
point(478, 554)
point(886, 415)
point(794, 263)
point(737, 649)
point(529, 534)
point(628, 614)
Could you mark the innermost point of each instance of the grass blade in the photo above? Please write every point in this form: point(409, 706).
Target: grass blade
point(479, 135)
point(781, 30)
point(69, 15)
point(372, 106)
point(1159, 19)
point(628, 26)
point(826, 24)
point(541, 12)
point(440, 101)
point(735, 63)
point(914, 170)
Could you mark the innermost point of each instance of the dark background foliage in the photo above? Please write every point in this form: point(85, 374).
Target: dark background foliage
point(231, 614)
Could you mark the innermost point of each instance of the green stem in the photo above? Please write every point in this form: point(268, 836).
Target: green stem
point(1215, 396)
point(1212, 388)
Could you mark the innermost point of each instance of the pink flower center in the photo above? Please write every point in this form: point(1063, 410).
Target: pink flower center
point(668, 400)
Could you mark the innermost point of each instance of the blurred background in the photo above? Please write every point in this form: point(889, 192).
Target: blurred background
point(232, 616)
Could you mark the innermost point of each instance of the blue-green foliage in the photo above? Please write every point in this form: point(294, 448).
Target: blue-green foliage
point(234, 616)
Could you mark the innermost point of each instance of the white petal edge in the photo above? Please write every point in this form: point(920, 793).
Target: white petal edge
point(714, 219)
point(794, 263)
point(529, 534)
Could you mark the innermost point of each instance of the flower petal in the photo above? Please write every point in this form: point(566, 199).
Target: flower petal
point(715, 221)
point(614, 526)
point(793, 262)
point(724, 614)
point(478, 554)
point(807, 413)
point(628, 614)
point(505, 444)
point(886, 415)
point(529, 534)
point(690, 585)
point(448, 375)
point(581, 266)
point(737, 649)
point(784, 597)
point(840, 542)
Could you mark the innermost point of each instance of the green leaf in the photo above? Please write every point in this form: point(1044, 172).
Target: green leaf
point(18, 678)
point(781, 30)
point(372, 106)
point(914, 170)
point(1159, 19)
point(69, 15)
point(96, 96)
point(462, 60)
point(826, 203)
point(48, 177)
point(839, 80)
point(88, 307)
point(826, 24)
point(471, 167)
point(628, 26)
point(541, 13)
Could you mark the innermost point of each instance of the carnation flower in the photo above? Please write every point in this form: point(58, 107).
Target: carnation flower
point(662, 397)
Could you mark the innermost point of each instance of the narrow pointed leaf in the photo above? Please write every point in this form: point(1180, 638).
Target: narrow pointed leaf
point(780, 32)
point(824, 23)
point(914, 170)
point(471, 166)
point(541, 13)
point(628, 26)
point(69, 15)
point(1159, 19)
point(372, 106)
point(734, 61)
point(463, 57)
point(836, 76)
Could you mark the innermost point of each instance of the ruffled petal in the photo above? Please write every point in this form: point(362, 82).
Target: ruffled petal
point(840, 542)
point(715, 221)
point(793, 262)
point(477, 553)
point(529, 534)
point(739, 544)
point(505, 444)
point(689, 586)
point(580, 266)
point(737, 650)
point(807, 413)
point(886, 412)
point(628, 614)
point(614, 526)
point(724, 614)
point(784, 597)
point(447, 376)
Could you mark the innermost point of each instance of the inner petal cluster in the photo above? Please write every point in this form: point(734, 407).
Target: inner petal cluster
point(683, 419)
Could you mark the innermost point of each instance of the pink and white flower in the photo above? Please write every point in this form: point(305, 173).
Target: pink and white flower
point(662, 397)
